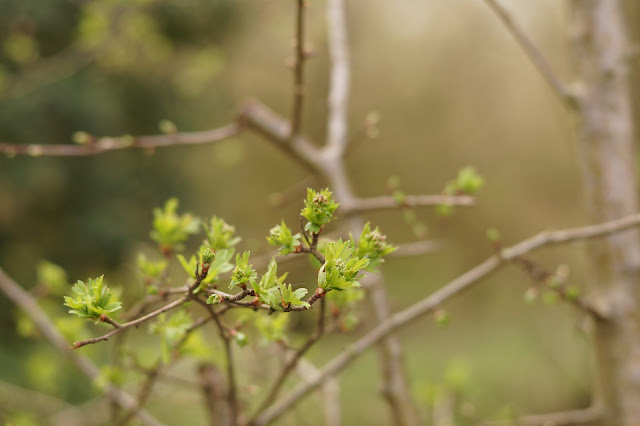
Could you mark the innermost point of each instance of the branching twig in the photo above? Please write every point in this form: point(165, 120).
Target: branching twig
point(428, 304)
point(289, 367)
point(26, 302)
point(530, 49)
point(231, 377)
point(359, 205)
point(105, 144)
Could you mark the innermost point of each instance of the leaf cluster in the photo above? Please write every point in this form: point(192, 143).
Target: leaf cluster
point(341, 269)
point(318, 209)
point(169, 229)
point(91, 300)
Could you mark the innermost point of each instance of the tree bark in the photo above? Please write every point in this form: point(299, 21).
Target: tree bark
point(601, 47)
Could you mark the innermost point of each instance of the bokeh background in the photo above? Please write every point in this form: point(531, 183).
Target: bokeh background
point(452, 89)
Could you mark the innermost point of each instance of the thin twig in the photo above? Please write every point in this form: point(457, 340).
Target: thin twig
point(105, 144)
point(231, 377)
point(338, 78)
point(133, 323)
point(298, 71)
point(26, 302)
point(534, 54)
point(359, 205)
point(289, 367)
point(571, 417)
point(450, 290)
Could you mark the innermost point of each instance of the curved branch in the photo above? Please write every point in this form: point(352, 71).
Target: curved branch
point(27, 303)
point(359, 205)
point(430, 303)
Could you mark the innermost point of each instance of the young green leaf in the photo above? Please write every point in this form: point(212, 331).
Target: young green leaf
point(91, 301)
point(243, 272)
point(169, 229)
point(318, 209)
point(280, 235)
point(341, 269)
point(219, 234)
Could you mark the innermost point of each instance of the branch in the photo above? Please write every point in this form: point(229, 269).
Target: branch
point(530, 49)
point(298, 72)
point(338, 79)
point(107, 143)
point(136, 322)
point(26, 302)
point(359, 205)
point(571, 417)
point(417, 248)
point(428, 304)
point(330, 389)
point(293, 361)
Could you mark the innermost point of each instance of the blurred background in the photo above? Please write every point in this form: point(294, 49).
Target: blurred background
point(452, 89)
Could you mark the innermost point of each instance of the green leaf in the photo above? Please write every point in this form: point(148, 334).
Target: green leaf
point(170, 229)
point(92, 301)
point(151, 269)
point(241, 339)
point(342, 267)
point(280, 235)
point(272, 327)
point(372, 245)
point(220, 235)
point(243, 272)
point(318, 209)
point(52, 276)
point(290, 297)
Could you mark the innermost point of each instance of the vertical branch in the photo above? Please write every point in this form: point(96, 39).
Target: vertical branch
point(298, 71)
point(600, 45)
point(338, 79)
point(232, 401)
point(289, 367)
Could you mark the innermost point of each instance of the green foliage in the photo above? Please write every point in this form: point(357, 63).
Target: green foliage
point(219, 234)
point(290, 297)
point(170, 230)
point(52, 276)
point(171, 331)
point(341, 269)
point(372, 245)
point(493, 235)
point(219, 265)
point(442, 317)
point(109, 375)
point(240, 338)
point(467, 182)
point(318, 209)
point(207, 256)
point(151, 269)
point(280, 235)
point(243, 272)
point(268, 289)
point(92, 300)
point(272, 327)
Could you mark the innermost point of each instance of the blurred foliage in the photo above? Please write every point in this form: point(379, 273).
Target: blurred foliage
point(116, 67)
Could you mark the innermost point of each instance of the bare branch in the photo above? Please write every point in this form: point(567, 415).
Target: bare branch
point(107, 143)
point(359, 205)
point(338, 79)
point(330, 390)
point(298, 71)
point(450, 290)
point(289, 367)
point(417, 248)
point(26, 302)
point(571, 417)
point(530, 49)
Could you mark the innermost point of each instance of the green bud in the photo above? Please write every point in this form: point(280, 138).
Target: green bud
point(241, 339)
point(214, 299)
point(572, 293)
point(207, 256)
point(442, 318)
point(167, 127)
point(493, 235)
point(81, 138)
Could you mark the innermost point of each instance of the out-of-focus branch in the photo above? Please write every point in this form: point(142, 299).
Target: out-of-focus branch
point(105, 144)
point(417, 248)
point(562, 418)
point(298, 71)
point(534, 54)
point(450, 290)
point(330, 391)
point(338, 78)
point(26, 302)
point(359, 205)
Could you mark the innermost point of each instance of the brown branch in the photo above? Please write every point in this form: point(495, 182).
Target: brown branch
point(232, 401)
point(359, 205)
point(290, 366)
point(534, 54)
point(430, 303)
point(106, 144)
point(571, 417)
point(26, 302)
point(338, 78)
point(129, 324)
point(298, 71)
